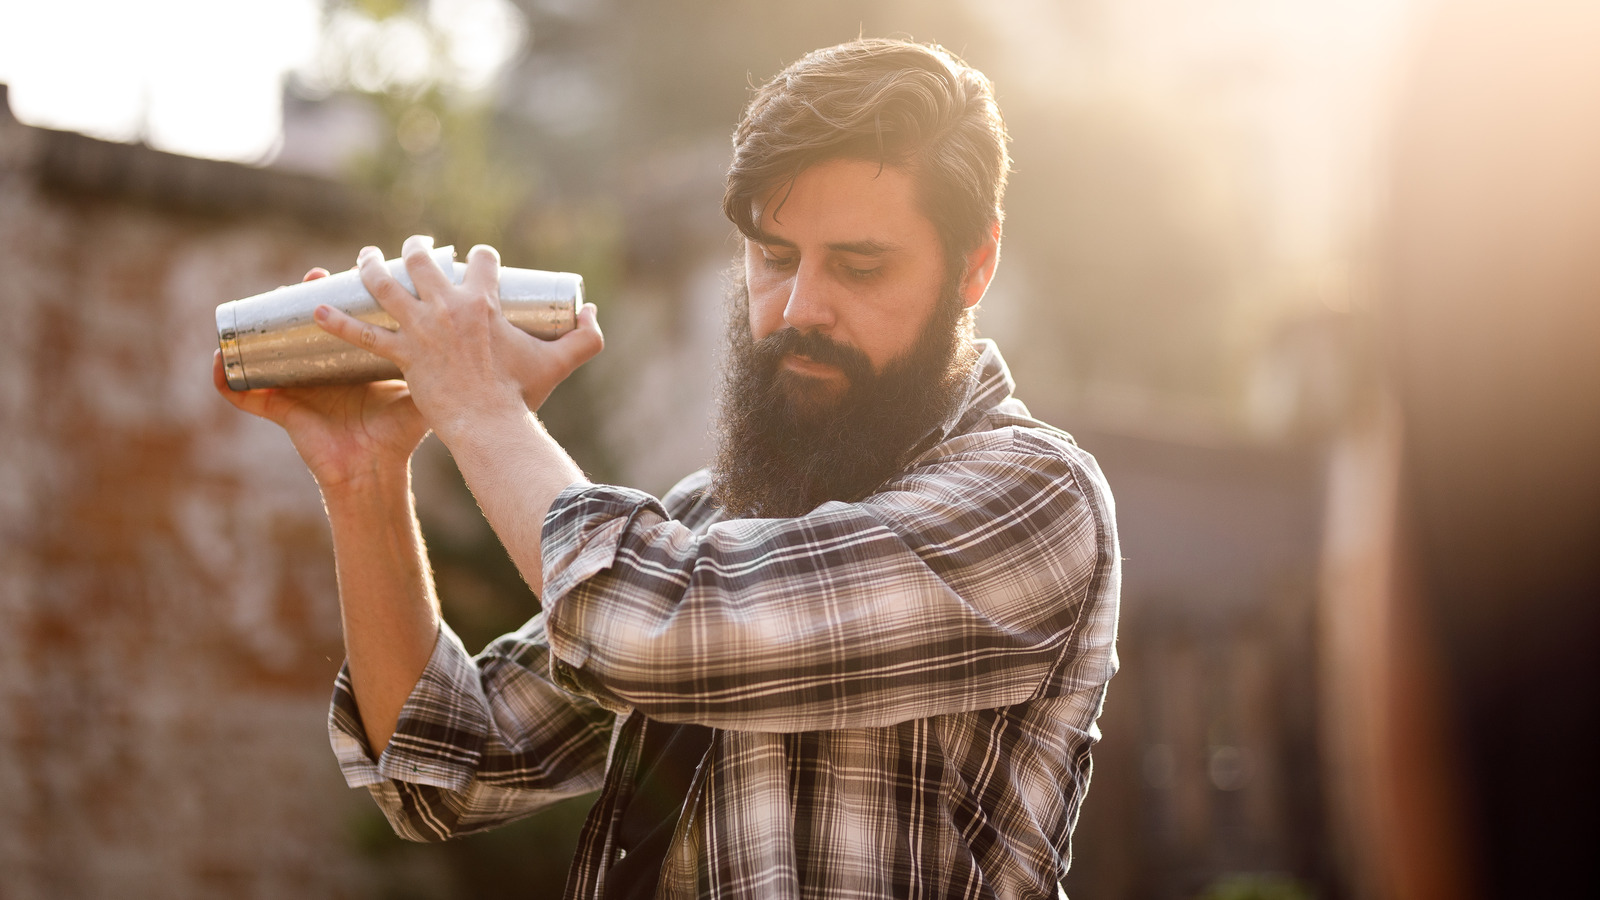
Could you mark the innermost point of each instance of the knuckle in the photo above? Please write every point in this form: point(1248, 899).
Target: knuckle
point(483, 305)
point(369, 338)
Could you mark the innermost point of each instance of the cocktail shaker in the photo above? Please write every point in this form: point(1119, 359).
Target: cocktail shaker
point(271, 340)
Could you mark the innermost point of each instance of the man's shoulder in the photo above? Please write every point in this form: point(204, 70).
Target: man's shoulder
point(1007, 440)
point(996, 421)
point(1007, 427)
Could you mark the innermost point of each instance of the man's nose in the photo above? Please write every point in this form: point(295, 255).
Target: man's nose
point(810, 307)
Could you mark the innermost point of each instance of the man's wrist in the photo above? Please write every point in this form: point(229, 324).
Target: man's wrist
point(489, 428)
point(378, 482)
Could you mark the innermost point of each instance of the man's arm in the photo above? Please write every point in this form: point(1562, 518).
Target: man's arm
point(476, 380)
point(447, 744)
point(478, 377)
point(986, 576)
point(516, 470)
point(387, 601)
point(357, 441)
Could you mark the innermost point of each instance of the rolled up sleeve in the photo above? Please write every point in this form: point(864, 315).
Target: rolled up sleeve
point(480, 741)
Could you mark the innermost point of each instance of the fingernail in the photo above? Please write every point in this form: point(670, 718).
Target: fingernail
point(320, 313)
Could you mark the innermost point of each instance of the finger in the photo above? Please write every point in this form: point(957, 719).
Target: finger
point(426, 276)
point(391, 295)
point(589, 320)
point(252, 402)
point(314, 274)
point(583, 342)
point(483, 269)
point(369, 337)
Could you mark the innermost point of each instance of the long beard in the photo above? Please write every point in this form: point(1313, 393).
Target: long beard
point(785, 445)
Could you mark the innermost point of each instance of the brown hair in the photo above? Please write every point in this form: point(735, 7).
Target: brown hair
point(896, 103)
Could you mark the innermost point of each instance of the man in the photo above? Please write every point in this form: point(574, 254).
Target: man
point(862, 656)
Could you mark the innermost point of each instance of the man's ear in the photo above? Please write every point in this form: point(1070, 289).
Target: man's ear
point(980, 265)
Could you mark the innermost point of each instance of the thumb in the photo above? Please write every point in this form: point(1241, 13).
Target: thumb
point(582, 343)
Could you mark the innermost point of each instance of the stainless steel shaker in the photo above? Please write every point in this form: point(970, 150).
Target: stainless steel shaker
point(271, 340)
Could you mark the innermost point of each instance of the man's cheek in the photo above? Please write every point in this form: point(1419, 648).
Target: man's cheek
point(763, 320)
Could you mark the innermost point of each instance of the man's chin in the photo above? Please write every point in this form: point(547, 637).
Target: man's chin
point(812, 399)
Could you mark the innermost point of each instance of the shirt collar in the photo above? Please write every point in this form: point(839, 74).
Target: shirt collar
point(989, 385)
point(993, 384)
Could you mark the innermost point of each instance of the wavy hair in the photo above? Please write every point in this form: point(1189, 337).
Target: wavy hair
point(911, 106)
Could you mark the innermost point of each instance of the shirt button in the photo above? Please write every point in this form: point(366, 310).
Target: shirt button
point(622, 853)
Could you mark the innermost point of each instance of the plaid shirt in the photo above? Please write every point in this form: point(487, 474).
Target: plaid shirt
point(903, 690)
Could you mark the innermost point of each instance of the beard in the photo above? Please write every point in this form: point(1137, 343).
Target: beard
point(786, 443)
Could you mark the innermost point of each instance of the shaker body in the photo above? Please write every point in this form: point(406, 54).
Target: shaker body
point(271, 339)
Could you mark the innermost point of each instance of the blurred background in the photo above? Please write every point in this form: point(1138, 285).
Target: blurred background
point(1319, 284)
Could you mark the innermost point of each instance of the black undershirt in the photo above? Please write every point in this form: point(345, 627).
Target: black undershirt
point(666, 768)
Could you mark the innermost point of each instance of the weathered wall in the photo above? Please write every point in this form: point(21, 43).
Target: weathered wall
point(168, 620)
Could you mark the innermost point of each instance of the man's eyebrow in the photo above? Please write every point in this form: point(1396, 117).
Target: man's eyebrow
point(864, 248)
point(860, 248)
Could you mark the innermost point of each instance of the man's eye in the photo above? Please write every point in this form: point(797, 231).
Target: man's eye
point(776, 262)
point(860, 273)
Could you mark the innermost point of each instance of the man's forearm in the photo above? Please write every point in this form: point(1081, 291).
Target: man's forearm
point(386, 595)
point(516, 470)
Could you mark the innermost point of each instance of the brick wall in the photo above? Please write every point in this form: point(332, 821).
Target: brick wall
point(168, 620)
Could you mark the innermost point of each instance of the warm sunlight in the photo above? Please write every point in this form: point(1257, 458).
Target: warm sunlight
point(206, 78)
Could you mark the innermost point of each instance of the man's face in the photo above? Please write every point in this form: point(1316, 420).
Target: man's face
point(845, 255)
point(849, 342)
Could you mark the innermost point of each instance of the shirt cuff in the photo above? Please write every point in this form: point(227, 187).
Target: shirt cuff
point(583, 531)
point(582, 535)
point(439, 738)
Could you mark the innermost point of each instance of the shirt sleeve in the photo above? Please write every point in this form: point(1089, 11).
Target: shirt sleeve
point(983, 577)
point(480, 741)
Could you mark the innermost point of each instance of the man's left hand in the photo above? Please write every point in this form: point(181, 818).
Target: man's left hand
point(464, 362)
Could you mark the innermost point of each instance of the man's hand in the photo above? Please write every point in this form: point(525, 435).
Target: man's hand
point(357, 440)
point(344, 433)
point(464, 363)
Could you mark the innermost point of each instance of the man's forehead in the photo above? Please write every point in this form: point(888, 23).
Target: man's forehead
point(852, 204)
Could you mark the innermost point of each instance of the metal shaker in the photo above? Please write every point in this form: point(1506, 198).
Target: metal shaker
point(271, 340)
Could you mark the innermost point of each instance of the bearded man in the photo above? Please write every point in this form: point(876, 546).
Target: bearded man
point(861, 656)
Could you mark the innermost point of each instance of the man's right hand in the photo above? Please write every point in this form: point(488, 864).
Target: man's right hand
point(346, 434)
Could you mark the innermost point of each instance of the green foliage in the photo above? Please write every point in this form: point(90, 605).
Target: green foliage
point(448, 165)
point(377, 9)
point(436, 161)
point(438, 170)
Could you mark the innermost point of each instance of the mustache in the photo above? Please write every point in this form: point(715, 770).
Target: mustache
point(813, 345)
